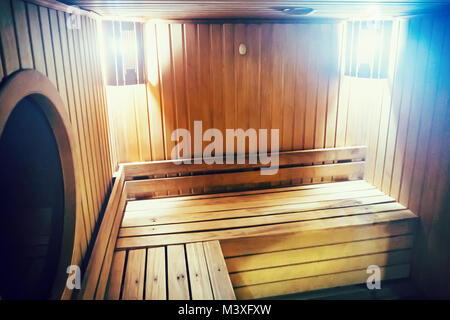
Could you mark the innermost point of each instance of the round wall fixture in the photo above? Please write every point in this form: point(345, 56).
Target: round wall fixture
point(242, 49)
point(38, 191)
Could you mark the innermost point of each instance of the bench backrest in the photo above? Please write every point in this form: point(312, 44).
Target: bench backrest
point(169, 178)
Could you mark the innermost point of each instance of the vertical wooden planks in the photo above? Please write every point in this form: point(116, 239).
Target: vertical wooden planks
point(36, 38)
point(277, 83)
point(133, 286)
point(155, 286)
point(429, 32)
point(91, 108)
point(409, 98)
point(253, 76)
point(324, 36)
point(166, 84)
point(266, 78)
point(220, 280)
point(192, 75)
point(428, 120)
point(198, 272)
point(57, 54)
point(312, 82)
point(217, 76)
point(48, 45)
point(288, 96)
point(178, 56)
point(10, 56)
point(23, 35)
point(116, 276)
point(283, 82)
point(229, 80)
point(396, 109)
point(177, 281)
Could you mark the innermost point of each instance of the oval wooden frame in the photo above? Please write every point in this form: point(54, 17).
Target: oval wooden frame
point(34, 85)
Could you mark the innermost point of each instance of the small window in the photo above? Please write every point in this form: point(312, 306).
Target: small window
point(123, 52)
point(367, 48)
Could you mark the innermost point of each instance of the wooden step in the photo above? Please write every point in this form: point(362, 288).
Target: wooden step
point(194, 271)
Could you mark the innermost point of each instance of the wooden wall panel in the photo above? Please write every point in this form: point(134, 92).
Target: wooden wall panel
point(283, 82)
point(34, 36)
point(404, 122)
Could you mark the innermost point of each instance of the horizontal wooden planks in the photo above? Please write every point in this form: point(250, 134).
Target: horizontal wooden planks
point(245, 214)
point(315, 268)
point(257, 196)
point(141, 188)
point(302, 226)
point(176, 199)
point(318, 282)
point(285, 158)
point(318, 253)
point(265, 244)
point(245, 222)
point(263, 203)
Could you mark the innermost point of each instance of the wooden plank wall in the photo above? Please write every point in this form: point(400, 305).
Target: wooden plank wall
point(408, 139)
point(288, 80)
point(37, 37)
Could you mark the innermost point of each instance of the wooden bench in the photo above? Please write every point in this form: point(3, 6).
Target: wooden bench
point(286, 233)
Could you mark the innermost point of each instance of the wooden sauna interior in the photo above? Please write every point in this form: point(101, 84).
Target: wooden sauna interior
point(359, 91)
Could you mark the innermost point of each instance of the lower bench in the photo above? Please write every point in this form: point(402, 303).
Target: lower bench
point(194, 271)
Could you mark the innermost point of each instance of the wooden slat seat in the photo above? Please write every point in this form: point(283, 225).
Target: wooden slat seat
point(283, 240)
point(303, 208)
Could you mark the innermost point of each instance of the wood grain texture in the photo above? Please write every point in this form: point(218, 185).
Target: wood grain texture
point(194, 72)
point(116, 275)
point(177, 276)
point(220, 280)
point(198, 272)
point(318, 282)
point(407, 136)
point(155, 286)
point(133, 286)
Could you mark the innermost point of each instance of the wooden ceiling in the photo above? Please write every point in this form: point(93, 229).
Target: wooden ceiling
point(258, 9)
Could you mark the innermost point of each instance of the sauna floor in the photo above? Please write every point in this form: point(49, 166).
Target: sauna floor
point(156, 233)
